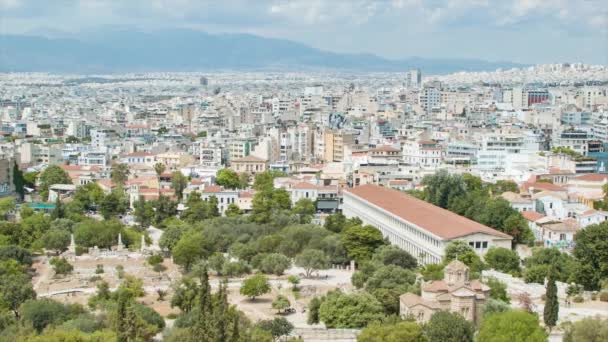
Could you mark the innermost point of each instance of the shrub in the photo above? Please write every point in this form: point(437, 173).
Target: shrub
point(99, 269)
point(94, 278)
point(80, 250)
point(172, 315)
point(578, 299)
point(604, 296)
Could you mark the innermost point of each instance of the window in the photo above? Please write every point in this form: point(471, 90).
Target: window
point(477, 244)
point(484, 244)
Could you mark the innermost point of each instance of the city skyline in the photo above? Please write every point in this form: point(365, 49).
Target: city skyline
point(523, 31)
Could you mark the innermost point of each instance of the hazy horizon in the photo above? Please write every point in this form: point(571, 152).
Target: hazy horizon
point(520, 31)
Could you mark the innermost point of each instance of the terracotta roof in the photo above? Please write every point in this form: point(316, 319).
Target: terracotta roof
point(542, 186)
point(427, 142)
point(304, 185)
point(245, 194)
point(80, 168)
point(106, 182)
point(212, 189)
point(532, 215)
point(435, 286)
point(441, 222)
point(593, 177)
point(410, 300)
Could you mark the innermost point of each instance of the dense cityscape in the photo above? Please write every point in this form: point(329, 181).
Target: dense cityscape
point(303, 171)
point(255, 206)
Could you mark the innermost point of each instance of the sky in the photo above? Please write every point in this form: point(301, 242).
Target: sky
point(524, 31)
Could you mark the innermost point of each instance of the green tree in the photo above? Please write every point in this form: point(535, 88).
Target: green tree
point(589, 329)
point(233, 210)
point(15, 286)
point(274, 263)
point(103, 234)
point(356, 310)
point(179, 182)
point(455, 249)
point(189, 249)
point(313, 310)
point(312, 260)
point(513, 325)
point(393, 255)
point(113, 204)
point(332, 246)
point(294, 281)
point(335, 222)
point(493, 306)
point(281, 303)
point(43, 312)
point(360, 242)
point(304, 209)
point(277, 327)
point(90, 195)
point(264, 180)
point(502, 259)
point(432, 272)
point(591, 250)
point(164, 208)
point(143, 212)
point(56, 239)
point(551, 309)
point(159, 168)
point(442, 188)
point(445, 326)
point(61, 266)
point(53, 174)
point(7, 205)
point(16, 253)
point(228, 178)
point(30, 179)
point(119, 173)
point(395, 332)
point(18, 181)
point(59, 211)
point(538, 265)
point(265, 203)
point(498, 290)
point(255, 286)
point(184, 294)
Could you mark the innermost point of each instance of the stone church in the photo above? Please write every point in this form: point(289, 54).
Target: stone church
point(455, 293)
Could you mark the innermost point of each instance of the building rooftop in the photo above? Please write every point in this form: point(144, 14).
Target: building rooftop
point(438, 221)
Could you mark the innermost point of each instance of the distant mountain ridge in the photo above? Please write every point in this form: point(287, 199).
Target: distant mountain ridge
point(187, 50)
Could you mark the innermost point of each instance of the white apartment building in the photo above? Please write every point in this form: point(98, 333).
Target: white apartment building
point(495, 149)
point(224, 197)
point(418, 227)
point(422, 153)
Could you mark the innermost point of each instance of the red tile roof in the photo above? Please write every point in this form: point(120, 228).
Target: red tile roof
point(593, 177)
point(541, 186)
point(304, 185)
point(532, 215)
point(212, 189)
point(438, 221)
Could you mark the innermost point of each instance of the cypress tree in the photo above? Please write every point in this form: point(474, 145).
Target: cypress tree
point(551, 311)
point(59, 211)
point(18, 181)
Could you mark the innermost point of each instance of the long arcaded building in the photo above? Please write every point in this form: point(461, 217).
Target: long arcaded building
point(416, 226)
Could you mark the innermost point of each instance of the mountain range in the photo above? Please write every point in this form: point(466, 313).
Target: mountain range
point(116, 51)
